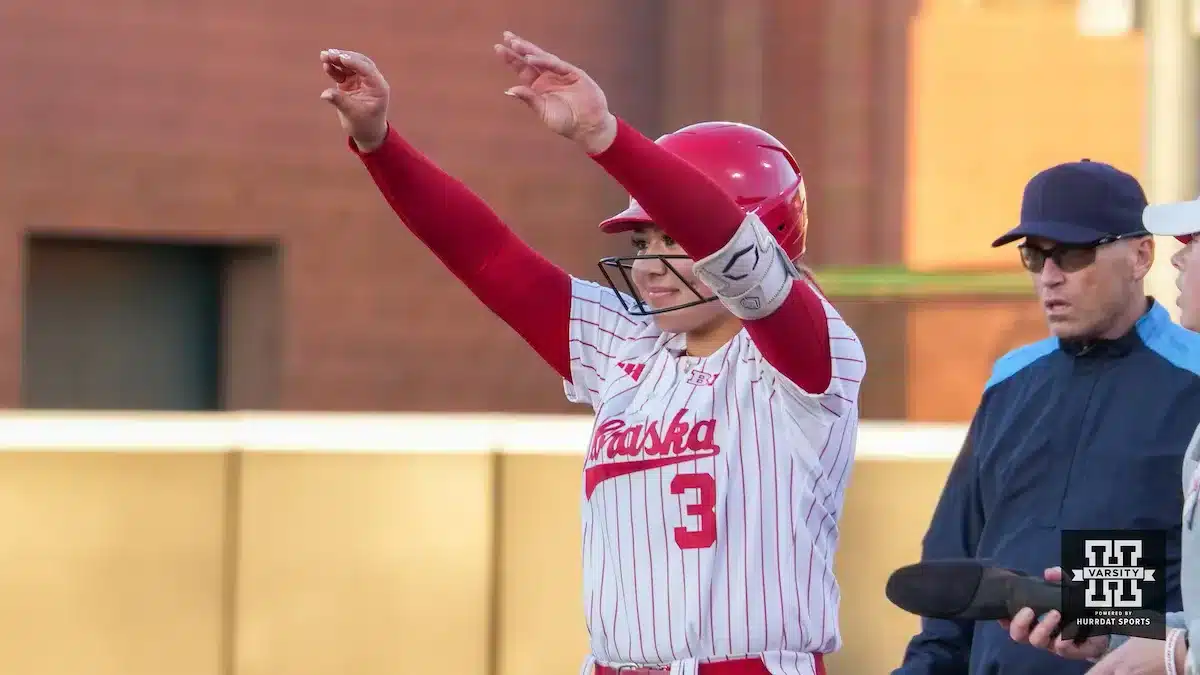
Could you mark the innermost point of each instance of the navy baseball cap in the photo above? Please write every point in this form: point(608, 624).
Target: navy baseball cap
point(1080, 203)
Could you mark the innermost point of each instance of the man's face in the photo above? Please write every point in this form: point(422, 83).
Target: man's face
point(1085, 292)
point(1187, 261)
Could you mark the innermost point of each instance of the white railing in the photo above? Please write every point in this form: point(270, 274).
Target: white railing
point(386, 433)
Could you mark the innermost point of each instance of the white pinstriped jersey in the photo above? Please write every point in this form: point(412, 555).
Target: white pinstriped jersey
point(712, 492)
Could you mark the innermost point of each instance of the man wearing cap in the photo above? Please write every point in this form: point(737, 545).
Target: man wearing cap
point(1083, 430)
point(1173, 656)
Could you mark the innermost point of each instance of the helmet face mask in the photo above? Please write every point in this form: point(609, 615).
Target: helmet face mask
point(631, 298)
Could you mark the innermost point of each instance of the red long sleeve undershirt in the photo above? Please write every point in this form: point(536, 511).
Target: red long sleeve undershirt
point(506, 274)
point(528, 292)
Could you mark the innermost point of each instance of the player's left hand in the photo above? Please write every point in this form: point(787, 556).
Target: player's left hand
point(564, 97)
point(1139, 656)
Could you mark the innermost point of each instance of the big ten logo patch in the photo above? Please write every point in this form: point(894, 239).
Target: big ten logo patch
point(1115, 579)
point(700, 378)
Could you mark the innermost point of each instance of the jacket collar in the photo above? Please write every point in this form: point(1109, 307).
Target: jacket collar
point(1151, 322)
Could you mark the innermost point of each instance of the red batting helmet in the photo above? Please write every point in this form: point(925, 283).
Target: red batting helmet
point(752, 166)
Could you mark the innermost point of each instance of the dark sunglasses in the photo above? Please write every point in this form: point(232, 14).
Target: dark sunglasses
point(1067, 257)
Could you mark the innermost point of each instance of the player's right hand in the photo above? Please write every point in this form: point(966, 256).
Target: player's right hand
point(360, 96)
point(566, 99)
point(1021, 628)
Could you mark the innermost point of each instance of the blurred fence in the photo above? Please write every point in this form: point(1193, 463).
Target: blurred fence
point(272, 544)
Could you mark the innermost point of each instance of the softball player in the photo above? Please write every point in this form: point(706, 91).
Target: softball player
point(725, 385)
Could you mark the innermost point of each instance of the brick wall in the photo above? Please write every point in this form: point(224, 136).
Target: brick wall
point(201, 121)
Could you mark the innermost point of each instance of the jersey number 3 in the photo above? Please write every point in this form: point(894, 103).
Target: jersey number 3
point(704, 508)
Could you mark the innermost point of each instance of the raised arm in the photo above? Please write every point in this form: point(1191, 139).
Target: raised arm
point(449, 219)
point(784, 316)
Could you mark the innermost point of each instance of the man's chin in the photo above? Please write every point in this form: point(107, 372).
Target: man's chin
point(1189, 318)
point(1064, 327)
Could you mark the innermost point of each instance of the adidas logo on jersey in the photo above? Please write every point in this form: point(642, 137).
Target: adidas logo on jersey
point(633, 370)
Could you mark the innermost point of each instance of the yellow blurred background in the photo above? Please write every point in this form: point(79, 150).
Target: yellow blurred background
point(256, 544)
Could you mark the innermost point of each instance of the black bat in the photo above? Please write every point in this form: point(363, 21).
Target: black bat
point(969, 590)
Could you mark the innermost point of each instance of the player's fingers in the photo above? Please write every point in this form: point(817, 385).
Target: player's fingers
point(525, 95)
point(1042, 634)
point(349, 56)
point(525, 72)
point(511, 58)
point(551, 63)
point(1020, 625)
point(536, 56)
point(335, 73)
point(333, 57)
point(352, 61)
point(357, 64)
point(1053, 574)
point(520, 45)
point(334, 96)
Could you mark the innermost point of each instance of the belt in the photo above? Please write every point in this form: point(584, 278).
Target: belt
point(736, 667)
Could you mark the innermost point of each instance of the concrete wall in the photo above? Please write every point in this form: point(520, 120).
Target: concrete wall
point(258, 546)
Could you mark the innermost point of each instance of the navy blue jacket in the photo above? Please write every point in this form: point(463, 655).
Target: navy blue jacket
point(1067, 436)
